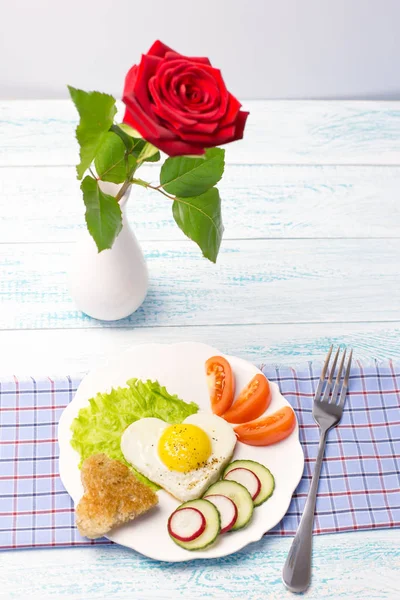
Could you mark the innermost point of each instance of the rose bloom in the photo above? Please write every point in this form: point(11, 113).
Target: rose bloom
point(180, 104)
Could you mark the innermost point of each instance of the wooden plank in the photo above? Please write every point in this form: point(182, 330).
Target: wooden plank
point(45, 204)
point(355, 565)
point(257, 281)
point(41, 132)
point(61, 351)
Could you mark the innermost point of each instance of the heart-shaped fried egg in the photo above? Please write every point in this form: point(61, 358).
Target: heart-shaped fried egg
point(183, 459)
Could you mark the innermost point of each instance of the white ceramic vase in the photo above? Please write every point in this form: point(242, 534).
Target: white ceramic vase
point(112, 284)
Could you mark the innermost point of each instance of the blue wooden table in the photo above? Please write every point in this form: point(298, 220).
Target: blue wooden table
point(310, 256)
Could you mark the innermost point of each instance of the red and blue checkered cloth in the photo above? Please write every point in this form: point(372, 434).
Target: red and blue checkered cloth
point(359, 487)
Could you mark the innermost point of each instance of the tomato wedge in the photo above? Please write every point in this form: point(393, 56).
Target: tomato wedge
point(253, 400)
point(221, 384)
point(268, 430)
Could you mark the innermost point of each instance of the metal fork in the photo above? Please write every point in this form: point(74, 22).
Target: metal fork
point(327, 412)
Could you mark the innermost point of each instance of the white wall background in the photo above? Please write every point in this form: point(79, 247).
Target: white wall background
point(265, 48)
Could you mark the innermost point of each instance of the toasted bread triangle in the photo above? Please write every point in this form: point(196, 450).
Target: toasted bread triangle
point(112, 496)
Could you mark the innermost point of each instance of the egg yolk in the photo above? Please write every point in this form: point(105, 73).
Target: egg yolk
point(184, 448)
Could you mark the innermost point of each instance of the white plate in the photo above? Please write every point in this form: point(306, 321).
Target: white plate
point(180, 367)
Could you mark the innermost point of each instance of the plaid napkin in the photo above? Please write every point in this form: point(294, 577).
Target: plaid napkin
point(359, 487)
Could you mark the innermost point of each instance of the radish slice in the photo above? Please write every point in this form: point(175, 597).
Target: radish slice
point(247, 478)
point(227, 510)
point(186, 524)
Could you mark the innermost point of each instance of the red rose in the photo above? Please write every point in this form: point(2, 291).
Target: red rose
point(180, 104)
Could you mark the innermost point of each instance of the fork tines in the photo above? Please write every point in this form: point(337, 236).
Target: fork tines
point(327, 396)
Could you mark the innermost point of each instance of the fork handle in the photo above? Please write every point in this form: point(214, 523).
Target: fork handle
point(296, 573)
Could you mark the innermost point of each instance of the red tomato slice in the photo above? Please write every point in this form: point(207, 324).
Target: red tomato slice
point(221, 384)
point(268, 430)
point(253, 400)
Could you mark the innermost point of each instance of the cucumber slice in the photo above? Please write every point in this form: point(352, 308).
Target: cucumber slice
point(239, 495)
point(264, 475)
point(211, 531)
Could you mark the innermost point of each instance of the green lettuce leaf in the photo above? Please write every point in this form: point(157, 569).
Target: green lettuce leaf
point(98, 427)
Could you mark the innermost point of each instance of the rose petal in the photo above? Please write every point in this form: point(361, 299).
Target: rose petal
point(130, 79)
point(167, 110)
point(169, 105)
point(140, 120)
point(171, 55)
point(218, 94)
point(221, 136)
point(164, 140)
point(159, 49)
point(240, 124)
point(145, 127)
point(178, 148)
point(215, 74)
point(178, 65)
point(232, 111)
point(146, 70)
point(170, 74)
point(200, 59)
point(168, 113)
point(227, 134)
point(212, 110)
point(199, 128)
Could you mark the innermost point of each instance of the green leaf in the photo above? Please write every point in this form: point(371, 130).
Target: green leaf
point(103, 214)
point(141, 182)
point(151, 155)
point(110, 160)
point(96, 111)
point(148, 153)
point(144, 151)
point(200, 219)
point(129, 130)
point(186, 176)
point(127, 140)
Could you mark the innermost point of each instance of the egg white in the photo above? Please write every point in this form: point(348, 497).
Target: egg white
point(139, 445)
